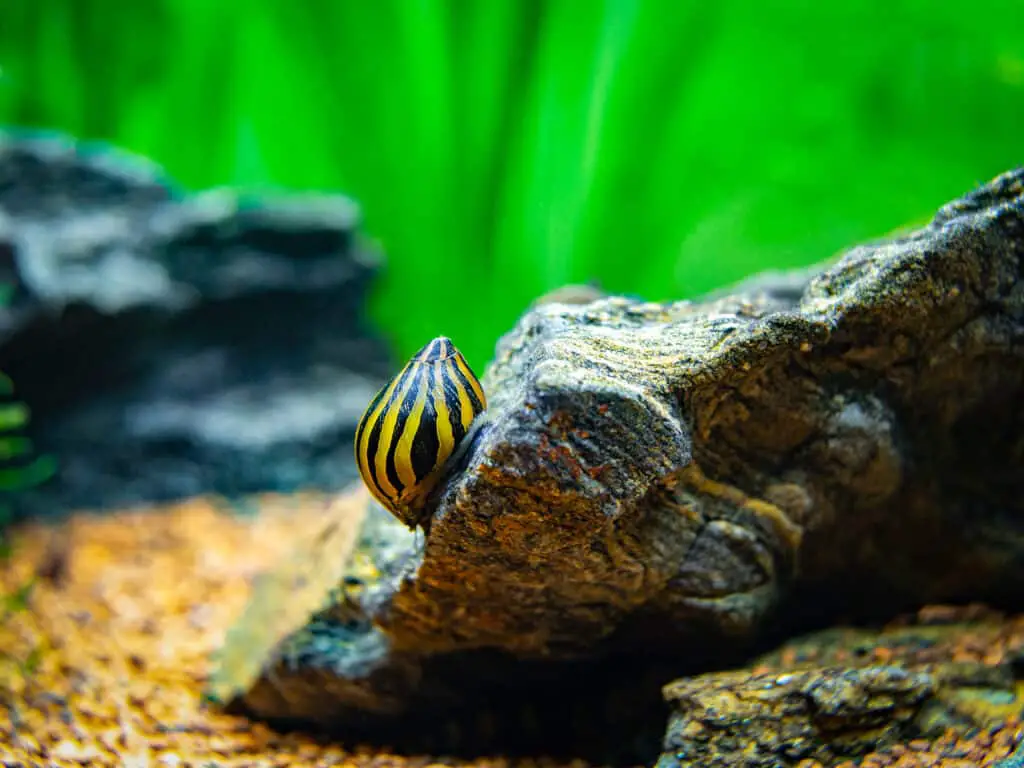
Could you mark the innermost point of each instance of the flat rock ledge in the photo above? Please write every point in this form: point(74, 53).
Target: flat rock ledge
point(664, 484)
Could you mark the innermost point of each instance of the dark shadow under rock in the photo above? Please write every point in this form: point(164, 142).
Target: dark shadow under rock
point(170, 345)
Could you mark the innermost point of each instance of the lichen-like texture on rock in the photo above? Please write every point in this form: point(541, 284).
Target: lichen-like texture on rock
point(837, 695)
point(773, 720)
point(651, 483)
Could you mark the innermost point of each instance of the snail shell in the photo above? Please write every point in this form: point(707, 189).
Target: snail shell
point(414, 426)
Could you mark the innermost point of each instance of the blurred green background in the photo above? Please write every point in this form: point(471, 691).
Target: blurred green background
point(501, 148)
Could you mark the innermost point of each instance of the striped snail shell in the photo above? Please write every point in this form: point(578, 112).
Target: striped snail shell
point(413, 427)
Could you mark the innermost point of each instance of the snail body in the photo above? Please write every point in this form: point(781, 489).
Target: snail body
point(414, 426)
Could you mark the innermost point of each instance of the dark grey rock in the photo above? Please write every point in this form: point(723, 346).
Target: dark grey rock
point(665, 484)
point(169, 344)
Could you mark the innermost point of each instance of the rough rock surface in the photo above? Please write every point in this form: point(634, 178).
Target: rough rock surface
point(658, 486)
point(660, 474)
point(840, 694)
point(172, 344)
point(772, 720)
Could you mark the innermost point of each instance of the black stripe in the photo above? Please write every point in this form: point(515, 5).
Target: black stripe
point(404, 409)
point(451, 399)
point(374, 442)
point(425, 445)
point(429, 352)
point(365, 420)
point(371, 455)
point(477, 405)
point(436, 350)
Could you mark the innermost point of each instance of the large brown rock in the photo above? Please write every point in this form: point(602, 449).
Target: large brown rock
point(659, 481)
point(670, 469)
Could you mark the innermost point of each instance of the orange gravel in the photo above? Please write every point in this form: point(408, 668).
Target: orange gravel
point(119, 628)
point(121, 623)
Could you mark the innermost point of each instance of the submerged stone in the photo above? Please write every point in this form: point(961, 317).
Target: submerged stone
point(655, 485)
point(135, 327)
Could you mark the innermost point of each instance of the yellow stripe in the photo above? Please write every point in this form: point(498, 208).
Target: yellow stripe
point(403, 453)
point(464, 367)
point(387, 435)
point(445, 438)
point(465, 406)
point(364, 443)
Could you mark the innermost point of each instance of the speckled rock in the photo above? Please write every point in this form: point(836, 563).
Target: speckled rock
point(841, 694)
point(737, 720)
point(664, 483)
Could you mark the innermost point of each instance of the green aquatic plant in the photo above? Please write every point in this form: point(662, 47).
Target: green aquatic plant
point(18, 665)
point(20, 466)
point(501, 148)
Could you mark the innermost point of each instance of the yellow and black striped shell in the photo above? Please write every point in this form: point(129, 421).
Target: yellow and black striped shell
point(414, 425)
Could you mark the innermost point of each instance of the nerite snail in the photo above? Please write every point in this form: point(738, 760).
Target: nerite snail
point(414, 426)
